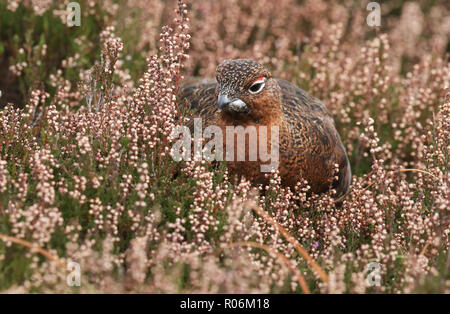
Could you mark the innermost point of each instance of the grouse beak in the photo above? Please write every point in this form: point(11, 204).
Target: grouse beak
point(231, 105)
point(222, 101)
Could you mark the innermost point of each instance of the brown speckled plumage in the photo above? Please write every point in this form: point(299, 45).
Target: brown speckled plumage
point(309, 147)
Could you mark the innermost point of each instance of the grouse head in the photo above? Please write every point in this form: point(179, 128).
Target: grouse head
point(246, 90)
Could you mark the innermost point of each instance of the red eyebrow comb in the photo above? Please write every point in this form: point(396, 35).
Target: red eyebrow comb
point(259, 78)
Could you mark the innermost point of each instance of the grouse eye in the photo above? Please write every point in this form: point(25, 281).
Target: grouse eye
point(257, 85)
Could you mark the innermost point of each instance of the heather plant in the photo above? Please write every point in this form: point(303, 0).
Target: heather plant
point(86, 174)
